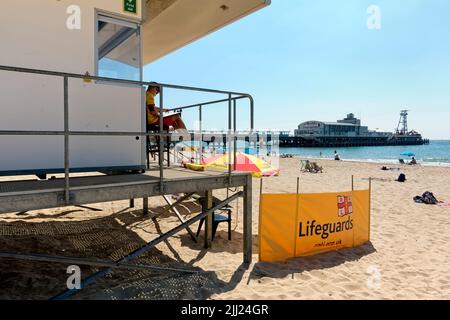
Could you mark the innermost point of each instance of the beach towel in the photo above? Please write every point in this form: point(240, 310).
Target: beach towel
point(445, 204)
point(377, 179)
point(390, 169)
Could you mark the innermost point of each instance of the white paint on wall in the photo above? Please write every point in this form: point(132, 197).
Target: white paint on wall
point(34, 35)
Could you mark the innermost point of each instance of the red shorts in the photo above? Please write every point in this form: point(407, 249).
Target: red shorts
point(170, 120)
point(167, 121)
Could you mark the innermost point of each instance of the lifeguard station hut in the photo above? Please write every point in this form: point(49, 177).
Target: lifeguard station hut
point(72, 99)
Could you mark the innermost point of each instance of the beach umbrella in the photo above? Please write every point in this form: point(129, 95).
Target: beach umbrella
point(407, 154)
point(244, 163)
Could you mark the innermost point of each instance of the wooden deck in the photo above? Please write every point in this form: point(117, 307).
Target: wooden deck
point(28, 193)
point(17, 195)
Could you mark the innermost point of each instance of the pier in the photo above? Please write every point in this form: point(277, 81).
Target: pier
point(343, 142)
point(349, 132)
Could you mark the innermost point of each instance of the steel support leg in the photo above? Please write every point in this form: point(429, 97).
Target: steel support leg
point(248, 221)
point(146, 247)
point(145, 206)
point(209, 219)
point(179, 216)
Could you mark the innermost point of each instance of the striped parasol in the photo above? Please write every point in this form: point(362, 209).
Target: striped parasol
point(244, 163)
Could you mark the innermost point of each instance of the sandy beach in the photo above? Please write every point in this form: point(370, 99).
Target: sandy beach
point(408, 256)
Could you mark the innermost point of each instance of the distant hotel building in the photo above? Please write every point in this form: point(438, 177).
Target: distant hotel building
point(350, 127)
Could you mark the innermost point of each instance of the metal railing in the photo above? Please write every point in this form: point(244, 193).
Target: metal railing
point(232, 97)
point(232, 119)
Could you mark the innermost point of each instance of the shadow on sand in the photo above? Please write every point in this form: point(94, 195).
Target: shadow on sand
point(111, 238)
point(106, 238)
point(317, 262)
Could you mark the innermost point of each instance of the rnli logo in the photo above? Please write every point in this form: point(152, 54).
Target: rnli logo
point(345, 206)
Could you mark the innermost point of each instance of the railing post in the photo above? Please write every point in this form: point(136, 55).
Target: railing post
point(252, 120)
point(234, 133)
point(252, 113)
point(200, 127)
point(66, 142)
point(161, 141)
point(230, 114)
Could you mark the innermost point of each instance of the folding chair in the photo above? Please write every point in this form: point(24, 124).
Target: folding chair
point(217, 217)
point(153, 149)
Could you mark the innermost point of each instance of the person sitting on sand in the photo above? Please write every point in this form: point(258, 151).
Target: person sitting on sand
point(384, 168)
point(312, 167)
point(316, 167)
point(336, 156)
point(308, 166)
point(413, 161)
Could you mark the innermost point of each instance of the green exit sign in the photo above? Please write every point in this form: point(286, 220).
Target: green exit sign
point(130, 6)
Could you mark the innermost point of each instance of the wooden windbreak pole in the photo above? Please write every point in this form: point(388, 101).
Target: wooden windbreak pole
point(297, 205)
point(370, 202)
point(353, 183)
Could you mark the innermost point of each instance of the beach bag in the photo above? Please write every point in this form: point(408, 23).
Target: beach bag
point(401, 177)
point(418, 199)
point(429, 198)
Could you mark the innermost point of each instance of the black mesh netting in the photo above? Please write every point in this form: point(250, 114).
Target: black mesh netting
point(102, 238)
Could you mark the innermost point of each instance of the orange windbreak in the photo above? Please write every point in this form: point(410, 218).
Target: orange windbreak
point(294, 225)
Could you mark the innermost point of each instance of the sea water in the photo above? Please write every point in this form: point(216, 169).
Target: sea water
point(437, 153)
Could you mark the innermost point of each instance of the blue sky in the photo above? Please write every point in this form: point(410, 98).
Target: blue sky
point(317, 60)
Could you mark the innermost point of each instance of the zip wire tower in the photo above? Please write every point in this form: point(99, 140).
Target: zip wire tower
point(402, 127)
